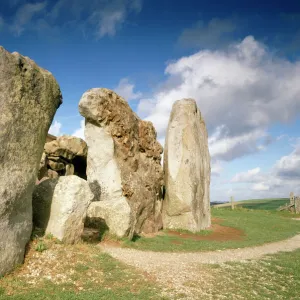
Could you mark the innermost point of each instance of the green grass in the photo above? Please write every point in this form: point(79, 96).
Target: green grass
point(41, 246)
point(55, 294)
point(267, 204)
point(257, 204)
point(275, 277)
point(259, 227)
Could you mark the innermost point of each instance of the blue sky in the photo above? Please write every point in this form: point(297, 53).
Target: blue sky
point(240, 61)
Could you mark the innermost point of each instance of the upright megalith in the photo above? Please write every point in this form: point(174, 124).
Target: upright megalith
point(29, 97)
point(123, 164)
point(187, 169)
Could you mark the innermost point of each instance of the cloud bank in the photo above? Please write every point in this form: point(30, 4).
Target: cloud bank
point(240, 91)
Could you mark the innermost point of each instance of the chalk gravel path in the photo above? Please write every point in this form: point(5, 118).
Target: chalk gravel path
point(175, 269)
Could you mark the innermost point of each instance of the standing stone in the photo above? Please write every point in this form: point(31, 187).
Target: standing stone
point(297, 205)
point(187, 169)
point(292, 198)
point(70, 200)
point(123, 164)
point(29, 97)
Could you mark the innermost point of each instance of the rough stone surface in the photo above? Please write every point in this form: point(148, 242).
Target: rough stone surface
point(187, 169)
point(297, 205)
point(50, 138)
point(43, 167)
point(56, 165)
point(28, 101)
point(123, 164)
point(66, 155)
point(66, 146)
point(71, 198)
point(53, 149)
point(74, 144)
point(117, 215)
point(41, 202)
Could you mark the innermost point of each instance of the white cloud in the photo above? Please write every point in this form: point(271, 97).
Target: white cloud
point(248, 176)
point(240, 91)
point(216, 168)
point(260, 187)
point(55, 128)
point(93, 18)
point(126, 90)
point(225, 147)
point(145, 107)
point(289, 166)
point(24, 15)
point(211, 35)
point(107, 16)
point(107, 23)
point(80, 131)
point(279, 181)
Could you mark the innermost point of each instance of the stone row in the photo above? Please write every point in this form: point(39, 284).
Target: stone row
point(114, 178)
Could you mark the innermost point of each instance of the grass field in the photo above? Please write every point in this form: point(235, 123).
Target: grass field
point(258, 227)
point(274, 277)
point(258, 204)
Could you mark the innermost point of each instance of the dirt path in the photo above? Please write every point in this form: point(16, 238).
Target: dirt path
point(174, 270)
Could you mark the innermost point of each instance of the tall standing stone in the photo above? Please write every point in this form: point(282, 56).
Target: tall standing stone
point(187, 169)
point(29, 97)
point(123, 164)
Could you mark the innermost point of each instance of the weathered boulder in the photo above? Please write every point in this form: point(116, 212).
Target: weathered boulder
point(116, 214)
point(123, 163)
point(66, 146)
point(187, 169)
point(66, 155)
point(28, 101)
point(60, 207)
point(74, 144)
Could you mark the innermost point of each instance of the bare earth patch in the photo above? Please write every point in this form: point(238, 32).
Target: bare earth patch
point(218, 233)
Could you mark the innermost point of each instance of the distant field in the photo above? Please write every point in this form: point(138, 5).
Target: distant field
point(260, 204)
